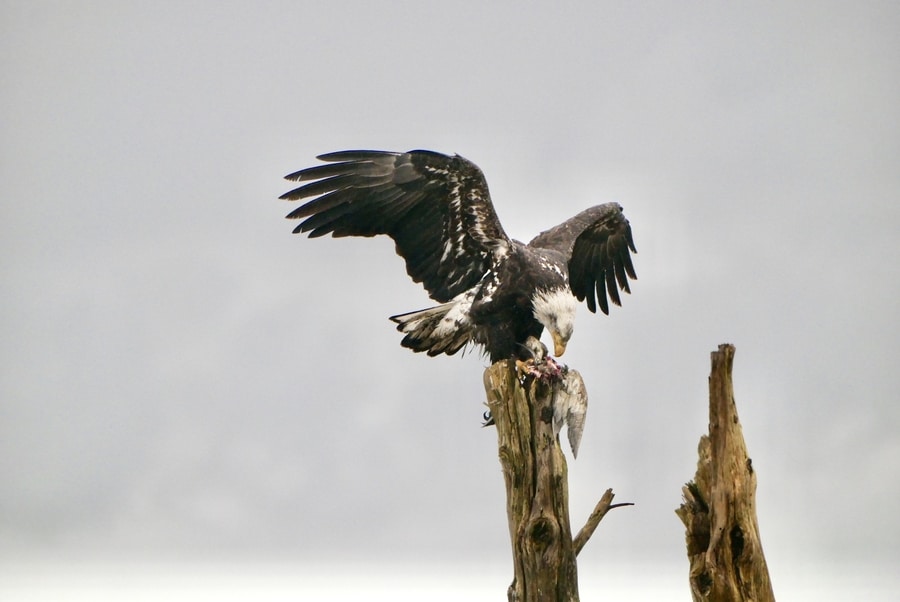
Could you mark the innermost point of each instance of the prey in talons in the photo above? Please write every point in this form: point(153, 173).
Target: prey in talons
point(540, 364)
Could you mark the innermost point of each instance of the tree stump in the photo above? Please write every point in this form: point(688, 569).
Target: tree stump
point(537, 497)
point(719, 510)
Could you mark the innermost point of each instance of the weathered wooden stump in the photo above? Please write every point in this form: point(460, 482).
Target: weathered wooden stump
point(535, 473)
point(719, 510)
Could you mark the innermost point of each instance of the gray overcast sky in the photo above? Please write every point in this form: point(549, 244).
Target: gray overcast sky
point(181, 376)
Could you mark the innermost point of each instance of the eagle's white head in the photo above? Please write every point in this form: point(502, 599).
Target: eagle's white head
point(555, 310)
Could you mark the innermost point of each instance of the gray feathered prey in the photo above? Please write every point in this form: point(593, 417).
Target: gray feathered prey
point(492, 290)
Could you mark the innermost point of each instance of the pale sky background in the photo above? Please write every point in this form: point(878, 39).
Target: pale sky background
point(195, 401)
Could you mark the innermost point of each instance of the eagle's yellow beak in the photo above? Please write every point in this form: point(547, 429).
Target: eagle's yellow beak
point(559, 345)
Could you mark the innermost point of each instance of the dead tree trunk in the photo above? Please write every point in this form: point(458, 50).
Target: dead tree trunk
point(535, 472)
point(537, 499)
point(719, 510)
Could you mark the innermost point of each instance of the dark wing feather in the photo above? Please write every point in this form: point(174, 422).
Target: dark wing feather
point(598, 244)
point(437, 208)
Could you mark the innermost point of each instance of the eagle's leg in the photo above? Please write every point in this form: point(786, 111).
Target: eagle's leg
point(534, 352)
point(524, 368)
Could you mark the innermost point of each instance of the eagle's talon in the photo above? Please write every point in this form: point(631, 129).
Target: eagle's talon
point(526, 368)
point(543, 368)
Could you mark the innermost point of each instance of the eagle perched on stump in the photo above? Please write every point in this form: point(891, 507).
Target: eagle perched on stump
point(492, 290)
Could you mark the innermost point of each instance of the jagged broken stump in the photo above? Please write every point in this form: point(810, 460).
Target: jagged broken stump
point(719, 510)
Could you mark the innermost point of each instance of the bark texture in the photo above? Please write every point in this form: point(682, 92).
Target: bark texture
point(719, 510)
point(535, 473)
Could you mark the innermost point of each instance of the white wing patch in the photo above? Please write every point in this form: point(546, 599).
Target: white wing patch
point(552, 266)
point(489, 288)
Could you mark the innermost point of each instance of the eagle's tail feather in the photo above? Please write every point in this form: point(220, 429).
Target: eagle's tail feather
point(444, 328)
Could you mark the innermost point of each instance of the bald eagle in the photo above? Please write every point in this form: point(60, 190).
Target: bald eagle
point(492, 290)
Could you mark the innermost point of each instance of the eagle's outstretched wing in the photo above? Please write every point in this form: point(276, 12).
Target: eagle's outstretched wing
point(598, 244)
point(437, 208)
